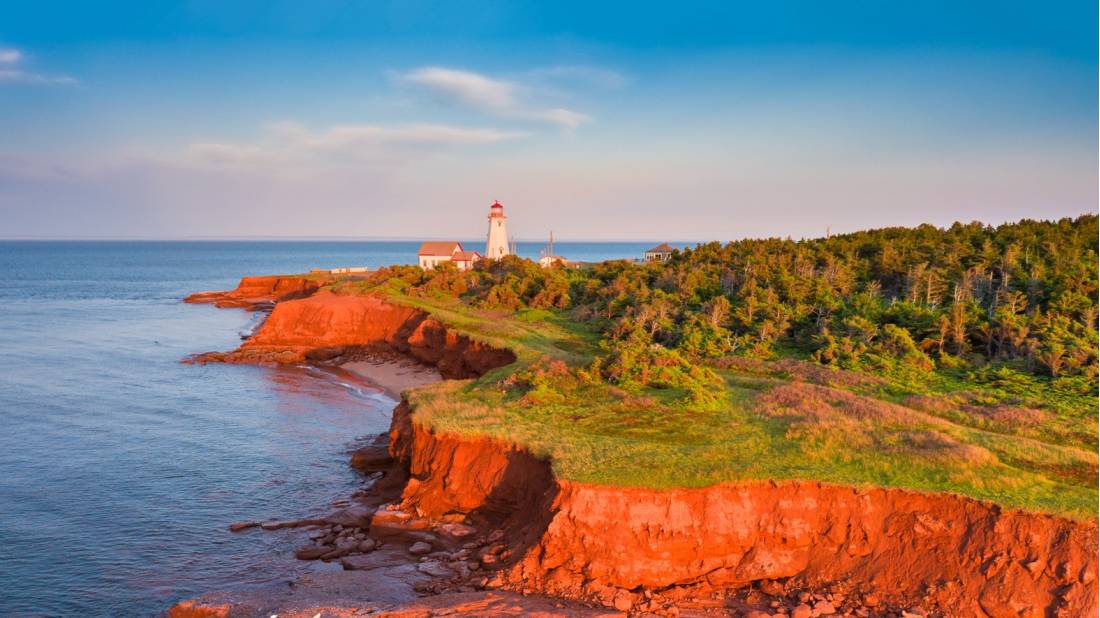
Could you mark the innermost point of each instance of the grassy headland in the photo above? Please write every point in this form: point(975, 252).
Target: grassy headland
point(960, 360)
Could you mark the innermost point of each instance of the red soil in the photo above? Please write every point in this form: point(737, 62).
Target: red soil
point(618, 546)
point(608, 544)
point(256, 293)
point(326, 326)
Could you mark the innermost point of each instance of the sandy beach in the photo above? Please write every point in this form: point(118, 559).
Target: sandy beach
point(394, 374)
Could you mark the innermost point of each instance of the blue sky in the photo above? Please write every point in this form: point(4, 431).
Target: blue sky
point(596, 120)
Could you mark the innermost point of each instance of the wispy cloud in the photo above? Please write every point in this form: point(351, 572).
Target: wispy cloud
point(596, 76)
point(499, 97)
point(13, 70)
point(10, 56)
point(466, 87)
point(290, 142)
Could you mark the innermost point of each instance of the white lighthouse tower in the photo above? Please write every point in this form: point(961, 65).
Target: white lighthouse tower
point(496, 245)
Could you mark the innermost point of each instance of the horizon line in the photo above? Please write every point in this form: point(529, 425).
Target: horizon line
point(682, 241)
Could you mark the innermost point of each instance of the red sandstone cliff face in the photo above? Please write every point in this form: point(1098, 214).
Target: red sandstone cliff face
point(612, 545)
point(257, 293)
point(327, 325)
point(609, 544)
point(967, 556)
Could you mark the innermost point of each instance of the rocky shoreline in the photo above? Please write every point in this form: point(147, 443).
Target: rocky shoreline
point(442, 567)
point(451, 521)
point(396, 562)
point(393, 562)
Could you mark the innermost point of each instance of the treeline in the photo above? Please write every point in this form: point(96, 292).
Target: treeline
point(1021, 295)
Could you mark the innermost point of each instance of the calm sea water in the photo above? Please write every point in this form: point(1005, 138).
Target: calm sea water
point(120, 467)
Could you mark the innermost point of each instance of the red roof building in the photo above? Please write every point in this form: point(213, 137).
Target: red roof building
point(434, 253)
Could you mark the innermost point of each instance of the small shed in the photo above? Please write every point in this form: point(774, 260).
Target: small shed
point(660, 253)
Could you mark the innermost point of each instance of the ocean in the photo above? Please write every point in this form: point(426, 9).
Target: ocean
point(120, 467)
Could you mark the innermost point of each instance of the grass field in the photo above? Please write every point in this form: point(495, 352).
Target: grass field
point(1030, 445)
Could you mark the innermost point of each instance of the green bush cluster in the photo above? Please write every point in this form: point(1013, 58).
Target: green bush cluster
point(896, 300)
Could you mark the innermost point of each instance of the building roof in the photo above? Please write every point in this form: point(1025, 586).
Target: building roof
point(497, 204)
point(466, 256)
point(661, 248)
point(440, 248)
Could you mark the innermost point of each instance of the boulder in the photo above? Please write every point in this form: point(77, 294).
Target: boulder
point(489, 559)
point(338, 552)
point(371, 458)
point(772, 588)
point(435, 569)
point(352, 517)
point(392, 562)
point(457, 530)
point(312, 552)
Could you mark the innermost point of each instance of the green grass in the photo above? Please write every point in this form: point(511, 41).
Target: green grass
point(767, 423)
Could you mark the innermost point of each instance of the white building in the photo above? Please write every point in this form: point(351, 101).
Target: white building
point(660, 253)
point(496, 244)
point(433, 254)
point(547, 261)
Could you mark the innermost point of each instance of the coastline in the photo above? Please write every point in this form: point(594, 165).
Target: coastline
point(392, 562)
point(392, 577)
point(459, 515)
point(393, 373)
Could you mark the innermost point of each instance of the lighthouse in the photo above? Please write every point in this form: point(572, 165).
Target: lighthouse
point(496, 244)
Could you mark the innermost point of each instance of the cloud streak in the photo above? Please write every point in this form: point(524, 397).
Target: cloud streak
point(14, 71)
point(291, 142)
point(466, 87)
point(497, 97)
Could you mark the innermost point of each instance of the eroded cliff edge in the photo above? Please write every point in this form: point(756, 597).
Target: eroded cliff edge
point(623, 546)
point(261, 292)
point(327, 326)
point(620, 545)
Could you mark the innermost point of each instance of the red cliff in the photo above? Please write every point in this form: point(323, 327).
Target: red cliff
point(257, 293)
point(623, 546)
point(618, 545)
point(327, 325)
